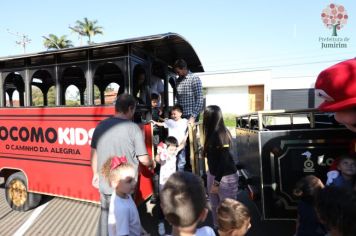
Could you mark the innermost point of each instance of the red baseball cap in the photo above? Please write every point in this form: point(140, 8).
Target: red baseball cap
point(337, 86)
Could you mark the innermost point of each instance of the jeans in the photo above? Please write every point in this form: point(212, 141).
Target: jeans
point(181, 160)
point(104, 215)
point(227, 189)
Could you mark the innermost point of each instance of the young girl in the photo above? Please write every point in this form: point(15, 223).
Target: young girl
point(123, 213)
point(233, 218)
point(307, 222)
point(222, 176)
point(167, 158)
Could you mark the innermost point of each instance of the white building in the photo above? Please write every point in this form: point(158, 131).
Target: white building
point(247, 91)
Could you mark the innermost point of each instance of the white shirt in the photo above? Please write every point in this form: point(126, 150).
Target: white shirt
point(168, 167)
point(176, 128)
point(123, 217)
point(204, 231)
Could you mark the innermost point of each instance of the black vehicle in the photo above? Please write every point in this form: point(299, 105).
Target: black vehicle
point(277, 148)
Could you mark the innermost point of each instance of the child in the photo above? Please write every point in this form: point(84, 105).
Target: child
point(336, 208)
point(156, 112)
point(184, 204)
point(233, 218)
point(345, 174)
point(308, 223)
point(177, 127)
point(167, 158)
point(123, 213)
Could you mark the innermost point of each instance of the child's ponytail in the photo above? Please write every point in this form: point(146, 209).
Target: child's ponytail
point(111, 165)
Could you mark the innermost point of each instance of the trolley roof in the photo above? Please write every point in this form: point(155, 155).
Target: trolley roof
point(167, 47)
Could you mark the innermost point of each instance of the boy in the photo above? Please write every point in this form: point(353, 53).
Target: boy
point(156, 112)
point(184, 205)
point(347, 172)
point(177, 127)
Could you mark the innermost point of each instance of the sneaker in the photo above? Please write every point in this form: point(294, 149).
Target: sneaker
point(161, 229)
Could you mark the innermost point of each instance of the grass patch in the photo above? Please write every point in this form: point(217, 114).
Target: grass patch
point(230, 120)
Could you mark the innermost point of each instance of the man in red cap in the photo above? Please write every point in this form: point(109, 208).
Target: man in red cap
point(337, 86)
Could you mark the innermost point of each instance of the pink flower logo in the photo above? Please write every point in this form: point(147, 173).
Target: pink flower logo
point(334, 17)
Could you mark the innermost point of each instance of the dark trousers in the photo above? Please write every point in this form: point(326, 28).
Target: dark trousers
point(104, 215)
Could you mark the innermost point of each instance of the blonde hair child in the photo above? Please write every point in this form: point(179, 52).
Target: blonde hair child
point(233, 218)
point(123, 214)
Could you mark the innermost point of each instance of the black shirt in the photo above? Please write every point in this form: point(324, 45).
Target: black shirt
point(220, 161)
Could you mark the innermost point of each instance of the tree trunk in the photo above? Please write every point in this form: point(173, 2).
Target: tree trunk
point(335, 30)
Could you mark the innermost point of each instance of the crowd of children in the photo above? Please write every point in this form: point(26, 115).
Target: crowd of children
point(328, 210)
point(183, 198)
point(183, 201)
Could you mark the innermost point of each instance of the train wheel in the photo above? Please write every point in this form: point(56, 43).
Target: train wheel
point(17, 195)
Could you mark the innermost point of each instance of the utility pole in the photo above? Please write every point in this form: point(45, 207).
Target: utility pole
point(23, 39)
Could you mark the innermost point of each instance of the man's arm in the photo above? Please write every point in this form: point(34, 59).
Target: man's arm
point(146, 161)
point(94, 167)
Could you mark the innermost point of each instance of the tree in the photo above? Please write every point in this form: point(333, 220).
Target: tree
point(87, 28)
point(334, 16)
point(37, 96)
point(55, 42)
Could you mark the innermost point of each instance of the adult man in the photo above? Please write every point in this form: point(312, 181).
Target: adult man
point(189, 91)
point(337, 86)
point(116, 136)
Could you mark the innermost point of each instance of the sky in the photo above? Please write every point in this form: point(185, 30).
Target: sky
point(228, 35)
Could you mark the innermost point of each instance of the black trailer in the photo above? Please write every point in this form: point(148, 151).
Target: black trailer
point(277, 148)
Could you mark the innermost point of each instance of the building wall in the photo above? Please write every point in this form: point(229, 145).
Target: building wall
point(229, 90)
point(293, 83)
point(232, 100)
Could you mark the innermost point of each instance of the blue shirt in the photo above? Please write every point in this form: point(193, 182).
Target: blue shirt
point(341, 182)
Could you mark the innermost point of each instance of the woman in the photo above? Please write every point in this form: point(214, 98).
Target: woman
point(222, 176)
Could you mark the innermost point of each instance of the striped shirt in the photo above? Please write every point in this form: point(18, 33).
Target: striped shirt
point(190, 95)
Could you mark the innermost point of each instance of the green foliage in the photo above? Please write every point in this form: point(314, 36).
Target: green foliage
point(37, 96)
point(230, 120)
point(96, 92)
point(87, 28)
point(72, 103)
point(55, 42)
point(51, 96)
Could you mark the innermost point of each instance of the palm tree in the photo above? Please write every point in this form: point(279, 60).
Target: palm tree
point(55, 42)
point(87, 28)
